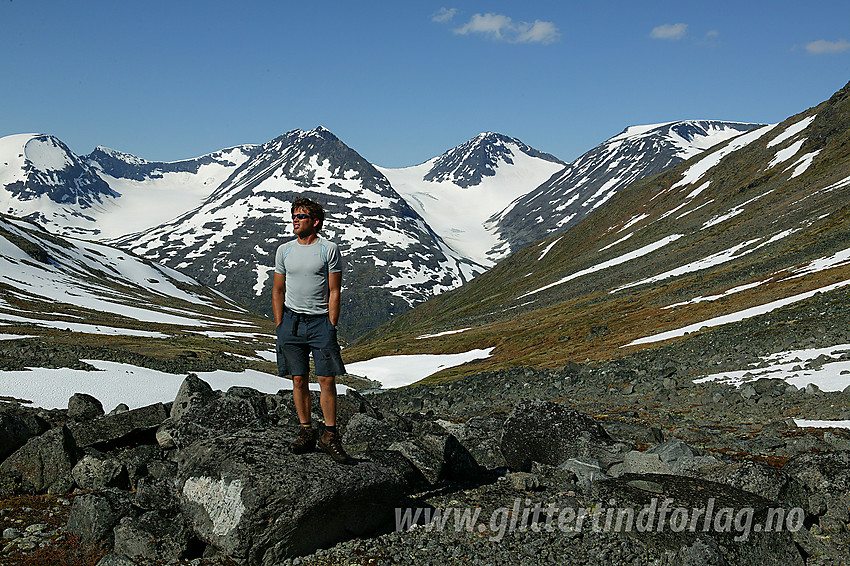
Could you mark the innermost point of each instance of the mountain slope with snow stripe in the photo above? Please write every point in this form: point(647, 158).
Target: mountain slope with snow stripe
point(719, 240)
point(595, 177)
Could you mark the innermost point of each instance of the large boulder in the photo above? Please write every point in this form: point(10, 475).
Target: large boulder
point(824, 480)
point(551, 433)
point(364, 432)
point(693, 517)
point(193, 391)
point(153, 537)
point(245, 494)
point(439, 457)
point(754, 477)
point(210, 416)
point(120, 428)
point(43, 459)
point(84, 407)
point(480, 435)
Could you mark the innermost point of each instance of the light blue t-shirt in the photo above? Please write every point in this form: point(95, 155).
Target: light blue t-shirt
point(306, 269)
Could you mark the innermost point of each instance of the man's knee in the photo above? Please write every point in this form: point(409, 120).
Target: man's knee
point(326, 382)
point(300, 382)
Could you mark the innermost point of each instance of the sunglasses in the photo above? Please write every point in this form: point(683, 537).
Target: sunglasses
point(300, 216)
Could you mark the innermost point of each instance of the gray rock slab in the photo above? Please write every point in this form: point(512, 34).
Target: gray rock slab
point(586, 470)
point(635, 462)
point(117, 427)
point(246, 495)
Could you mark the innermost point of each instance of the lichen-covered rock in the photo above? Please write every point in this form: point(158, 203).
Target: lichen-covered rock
point(439, 456)
point(193, 390)
point(239, 407)
point(245, 494)
point(93, 516)
point(368, 433)
point(153, 537)
point(98, 471)
point(672, 513)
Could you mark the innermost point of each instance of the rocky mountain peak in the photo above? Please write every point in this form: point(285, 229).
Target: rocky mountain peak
point(466, 164)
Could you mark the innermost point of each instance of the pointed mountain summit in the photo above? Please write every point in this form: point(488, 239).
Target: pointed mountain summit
point(468, 164)
point(595, 177)
point(459, 190)
point(393, 258)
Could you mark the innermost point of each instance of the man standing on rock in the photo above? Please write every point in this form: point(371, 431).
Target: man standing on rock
point(305, 301)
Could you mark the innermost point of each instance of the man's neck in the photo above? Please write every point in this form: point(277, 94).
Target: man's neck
point(307, 240)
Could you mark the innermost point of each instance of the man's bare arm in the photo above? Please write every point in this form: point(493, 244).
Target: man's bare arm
point(278, 293)
point(334, 288)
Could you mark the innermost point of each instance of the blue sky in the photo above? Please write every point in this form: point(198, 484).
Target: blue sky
point(401, 82)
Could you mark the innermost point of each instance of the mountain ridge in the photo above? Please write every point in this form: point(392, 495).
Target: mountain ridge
point(436, 233)
point(596, 176)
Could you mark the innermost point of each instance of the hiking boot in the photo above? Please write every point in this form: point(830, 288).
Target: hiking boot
point(306, 441)
point(329, 442)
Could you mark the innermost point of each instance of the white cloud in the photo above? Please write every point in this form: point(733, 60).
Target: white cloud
point(712, 33)
point(539, 32)
point(823, 46)
point(499, 27)
point(669, 31)
point(444, 15)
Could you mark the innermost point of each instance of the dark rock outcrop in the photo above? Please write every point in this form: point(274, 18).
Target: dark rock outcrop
point(245, 494)
point(119, 427)
point(550, 433)
point(44, 459)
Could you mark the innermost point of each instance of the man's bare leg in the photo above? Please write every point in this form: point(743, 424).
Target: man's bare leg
point(306, 441)
point(301, 398)
point(327, 399)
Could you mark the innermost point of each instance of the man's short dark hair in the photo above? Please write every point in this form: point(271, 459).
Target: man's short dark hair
point(313, 208)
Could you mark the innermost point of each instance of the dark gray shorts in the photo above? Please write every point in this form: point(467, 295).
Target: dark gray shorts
point(300, 334)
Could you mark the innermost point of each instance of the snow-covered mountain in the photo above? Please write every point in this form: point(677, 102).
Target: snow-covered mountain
point(43, 180)
point(592, 179)
point(459, 190)
point(49, 282)
point(393, 258)
point(154, 192)
point(106, 194)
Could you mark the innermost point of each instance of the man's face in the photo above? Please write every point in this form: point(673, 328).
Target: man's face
point(302, 223)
